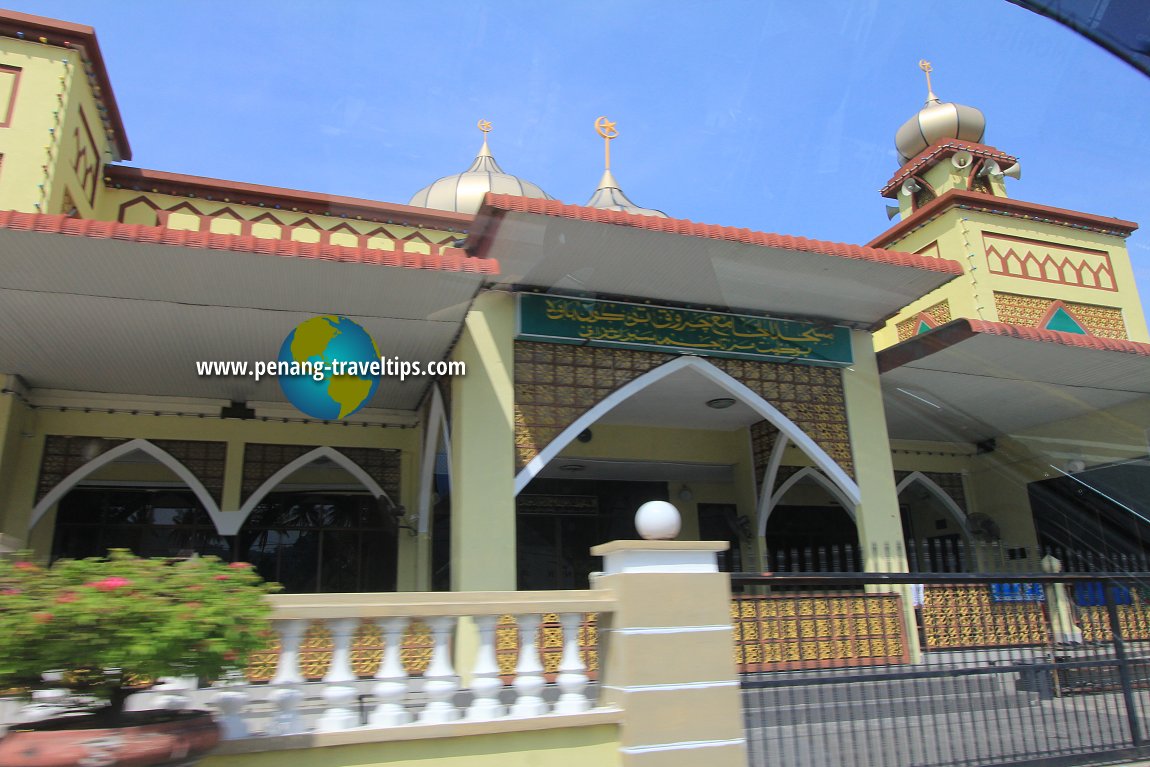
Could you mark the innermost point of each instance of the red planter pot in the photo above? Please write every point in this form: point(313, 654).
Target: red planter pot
point(146, 739)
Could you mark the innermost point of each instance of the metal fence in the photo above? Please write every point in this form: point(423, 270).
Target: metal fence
point(939, 667)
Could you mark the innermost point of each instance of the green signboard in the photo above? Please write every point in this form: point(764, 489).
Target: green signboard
point(559, 319)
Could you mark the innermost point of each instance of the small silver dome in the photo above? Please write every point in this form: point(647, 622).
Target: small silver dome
point(463, 192)
point(609, 196)
point(937, 120)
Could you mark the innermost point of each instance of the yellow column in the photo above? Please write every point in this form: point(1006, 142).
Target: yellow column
point(669, 663)
point(483, 450)
point(877, 517)
point(13, 414)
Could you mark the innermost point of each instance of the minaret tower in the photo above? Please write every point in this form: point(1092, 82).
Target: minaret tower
point(1026, 264)
point(609, 195)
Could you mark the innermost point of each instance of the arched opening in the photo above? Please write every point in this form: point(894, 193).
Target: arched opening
point(679, 432)
point(810, 526)
point(321, 524)
point(934, 526)
point(134, 496)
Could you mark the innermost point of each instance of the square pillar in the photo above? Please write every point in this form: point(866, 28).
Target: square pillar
point(668, 654)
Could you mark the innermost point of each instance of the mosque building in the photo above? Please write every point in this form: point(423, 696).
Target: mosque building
point(958, 378)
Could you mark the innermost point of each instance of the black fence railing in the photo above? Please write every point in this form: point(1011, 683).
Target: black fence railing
point(936, 668)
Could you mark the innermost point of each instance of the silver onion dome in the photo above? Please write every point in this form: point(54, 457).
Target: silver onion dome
point(609, 196)
point(937, 120)
point(463, 192)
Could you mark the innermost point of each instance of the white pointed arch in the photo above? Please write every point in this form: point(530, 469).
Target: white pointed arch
point(237, 520)
point(941, 495)
point(437, 429)
point(736, 388)
point(162, 456)
point(813, 474)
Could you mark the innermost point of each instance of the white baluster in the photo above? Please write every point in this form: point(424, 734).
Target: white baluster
point(439, 681)
point(393, 681)
point(340, 713)
point(231, 723)
point(572, 677)
point(342, 633)
point(529, 681)
point(286, 720)
point(287, 665)
point(485, 682)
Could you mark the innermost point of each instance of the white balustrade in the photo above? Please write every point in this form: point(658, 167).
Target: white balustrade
point(486, 683)
point(340, 713)
point(231, 702)
point(529, 681)
point(391, 690)
point(572, 679)
point(439, 681)
point(287, 719)
point(342, 633)
point(287, 666)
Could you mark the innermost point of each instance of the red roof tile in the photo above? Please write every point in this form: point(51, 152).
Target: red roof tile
point(1058, 337)
point(451, 260)
point(957, 331)
point(502, 203)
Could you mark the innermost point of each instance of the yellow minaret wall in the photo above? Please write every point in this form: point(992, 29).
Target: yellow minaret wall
point(55, 145)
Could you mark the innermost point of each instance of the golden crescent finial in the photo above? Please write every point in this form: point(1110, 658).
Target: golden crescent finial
point(926, 67)
point(608, 131)
point(484, 125)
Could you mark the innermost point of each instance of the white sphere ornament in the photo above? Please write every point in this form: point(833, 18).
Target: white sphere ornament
point(658, 521)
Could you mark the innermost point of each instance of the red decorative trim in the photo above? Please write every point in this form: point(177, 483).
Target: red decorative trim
point(68, 35)
point(1105, 269)
point(957, 331)
point(935, 153)
point(1003, 206)
point(87, 169)
point(926, 319)
point(451, 260)
point(495, 206)
point(16, 73)
point(284, 200)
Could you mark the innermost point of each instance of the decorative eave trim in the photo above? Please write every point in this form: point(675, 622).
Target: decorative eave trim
point(278, 198)
point(496, 206)
point(65, 34)
point(1002, 206)
point(452, 259)
point(957, 331)
point(936, 152)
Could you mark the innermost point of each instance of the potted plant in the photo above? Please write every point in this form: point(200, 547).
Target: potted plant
point(113, 626)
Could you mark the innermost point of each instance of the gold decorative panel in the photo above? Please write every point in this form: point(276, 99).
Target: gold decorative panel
point(1029, 311)
point(781, 633)
point(368, 647)
point(1133, 621)
point(939, 314)
point(63, 455)
point(763, 437)
point(261, 461)
point(556, 383)
point(966, 616)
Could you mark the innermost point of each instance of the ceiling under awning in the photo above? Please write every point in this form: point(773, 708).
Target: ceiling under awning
point(104, 307)
point(568, 249)
point(970, 380)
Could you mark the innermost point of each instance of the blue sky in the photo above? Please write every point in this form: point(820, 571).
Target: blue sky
point(769, 115)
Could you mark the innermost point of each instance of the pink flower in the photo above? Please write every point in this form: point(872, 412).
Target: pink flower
point(239, 565)
point(41, 617)
point(10, 592)
point(222, 577)
point(25, 566)
point(111, 584)
point(66, 597)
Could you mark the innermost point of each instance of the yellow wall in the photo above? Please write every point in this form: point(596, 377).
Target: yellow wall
point(559, 747)
point(959, 234)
